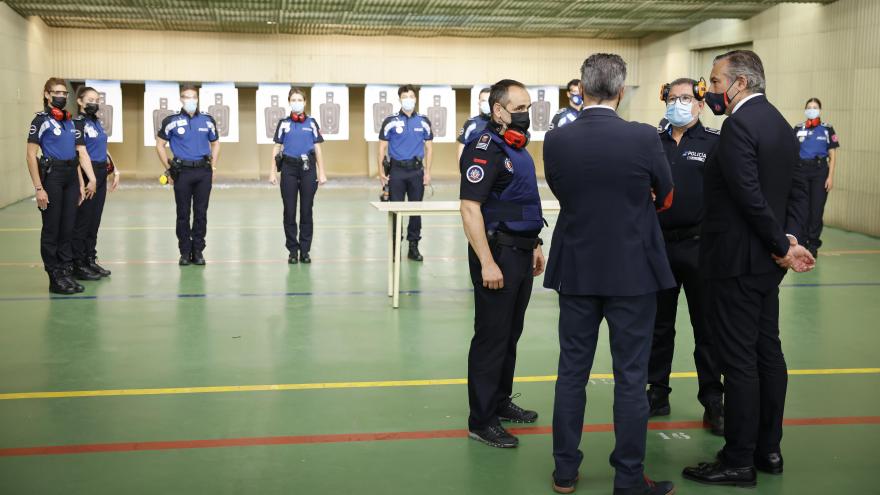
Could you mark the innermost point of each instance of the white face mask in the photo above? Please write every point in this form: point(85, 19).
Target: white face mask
point(190, 105)
point(484, 108)
point(812, 113)
point(297, 106)
point(408, 104)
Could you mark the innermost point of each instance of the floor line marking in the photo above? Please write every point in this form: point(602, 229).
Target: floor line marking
point(355, 385)
point(374, 437)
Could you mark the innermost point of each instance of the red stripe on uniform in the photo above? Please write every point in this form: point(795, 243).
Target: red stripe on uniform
point(480, 161)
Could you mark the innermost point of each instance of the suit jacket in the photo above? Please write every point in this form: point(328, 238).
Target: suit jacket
point(752, 197)
point(607, 240)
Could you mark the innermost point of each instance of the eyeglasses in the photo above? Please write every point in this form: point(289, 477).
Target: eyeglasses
point(684, 99)
point(59, 93)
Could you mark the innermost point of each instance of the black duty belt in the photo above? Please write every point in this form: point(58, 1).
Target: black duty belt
point(505, 239)
point(296, 160)
point(100, 164)
point(414, 163)
point(819, 161)
point(193, 164)
point(673, 235)
point(63, 163)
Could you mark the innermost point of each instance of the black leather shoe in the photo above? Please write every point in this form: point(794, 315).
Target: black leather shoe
point(305, 258)
point(564, 486)
point(292, 259)
point(95, 267)
point(769, 463)
point(59, 284)
point(82, 272)
point(184, 260)
point(414, 253)
point(515, 414)
point(495, 436)
point(197, 258)
point(713, 417)
point(716, 473)
point(658, 402)
point(649, 488)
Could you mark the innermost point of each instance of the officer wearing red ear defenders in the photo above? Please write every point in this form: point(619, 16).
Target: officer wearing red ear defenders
point(58, 184)
point(501, 212)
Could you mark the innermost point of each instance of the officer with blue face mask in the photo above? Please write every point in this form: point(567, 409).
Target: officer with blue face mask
point(474, 126)
point(406, 138)
point(193, 139)
point(571, 112)
point(688, 145)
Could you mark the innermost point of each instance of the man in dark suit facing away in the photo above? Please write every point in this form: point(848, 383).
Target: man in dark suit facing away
point(607, 260)
point(755, 208)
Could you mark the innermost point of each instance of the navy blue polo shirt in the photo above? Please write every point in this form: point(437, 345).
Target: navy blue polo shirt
point(564, 116)
point(816, 141)
point(57, 138)
point(406, 136)
point(190, 138)
point(94, 137)
point(687, 161)
point(298, 138)
point(472, 128)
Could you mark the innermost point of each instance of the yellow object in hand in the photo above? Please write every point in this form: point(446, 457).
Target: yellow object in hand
point(163, 179)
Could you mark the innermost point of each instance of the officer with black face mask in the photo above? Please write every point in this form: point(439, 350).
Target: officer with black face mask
point(501, 212)
point(88, 216)
point(58, 185)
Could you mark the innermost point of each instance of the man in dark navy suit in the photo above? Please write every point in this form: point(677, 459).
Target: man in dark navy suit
point(755, 207)
point(607, 260)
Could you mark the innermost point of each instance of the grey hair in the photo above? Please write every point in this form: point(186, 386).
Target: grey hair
point(603, 75)
point(747, 64)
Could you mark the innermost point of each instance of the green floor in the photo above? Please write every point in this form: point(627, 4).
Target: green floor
point(248, 318)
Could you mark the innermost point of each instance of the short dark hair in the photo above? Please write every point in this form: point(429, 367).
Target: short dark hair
point(683, 80)
point(573, 82)
point(188, 87)
point(406, 88)
point(603, 75)
point(485, 91)
point(745, 63)
point(296, 91)
point(498, 91)
point(813, 100)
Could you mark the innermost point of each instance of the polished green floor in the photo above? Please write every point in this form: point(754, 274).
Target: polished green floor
point(247, 318)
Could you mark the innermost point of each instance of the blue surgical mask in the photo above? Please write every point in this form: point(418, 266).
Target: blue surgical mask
point(484, 108)
point(679, 114)
point(408, 104)
point(297, 107)
point(576, 100)
point(190, 105)
point(812, 113)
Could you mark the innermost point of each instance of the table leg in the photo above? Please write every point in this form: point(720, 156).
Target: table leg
point(398, 222)
point(391, 216)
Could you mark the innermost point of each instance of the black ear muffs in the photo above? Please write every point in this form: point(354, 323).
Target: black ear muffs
point(298, 117)
point(59, 114)
point(700, 88)
point(515, 139)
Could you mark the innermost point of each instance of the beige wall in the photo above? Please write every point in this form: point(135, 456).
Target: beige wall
point(25, 63)
point(828, 51)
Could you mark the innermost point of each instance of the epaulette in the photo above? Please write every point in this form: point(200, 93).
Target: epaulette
point(712, 130)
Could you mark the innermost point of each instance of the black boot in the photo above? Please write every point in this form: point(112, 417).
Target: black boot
point(515, 414)
point(95, 267)
point(658, 401)
point(67, 273)
point(414, 253)
point(293, 258)
point(58, 283)
point(82, 271)
point(185, 260)
point(495, 436)
point(197, 258)
point(713, 418)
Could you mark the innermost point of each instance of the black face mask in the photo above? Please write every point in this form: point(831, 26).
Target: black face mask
point(91, 109)
point(718, 102)
point(519, 121)
point(59, 102)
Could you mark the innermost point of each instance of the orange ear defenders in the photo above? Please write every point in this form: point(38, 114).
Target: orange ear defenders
point(515, 139)
point(700, 88)
point(59, 114)
point(298, 117)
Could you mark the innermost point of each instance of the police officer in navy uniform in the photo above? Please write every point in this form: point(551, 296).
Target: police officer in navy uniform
point(573, 109)
point(501, 212)
point(688, 145)
point(193, 138)
point(818, 155)
point(299, 160)
point(88, 216)
point(58, 185)
point(474, 126)
point(406, 137)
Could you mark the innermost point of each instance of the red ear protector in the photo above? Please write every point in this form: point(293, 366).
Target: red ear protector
point(515, 139)
point(298, 117)
point(700, 88)
point(59, 114)
point(810, 123)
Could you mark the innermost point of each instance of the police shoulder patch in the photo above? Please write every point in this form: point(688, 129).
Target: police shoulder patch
point(712, 130)
point(475, 174)
point(508, 165)
point(483, 142)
